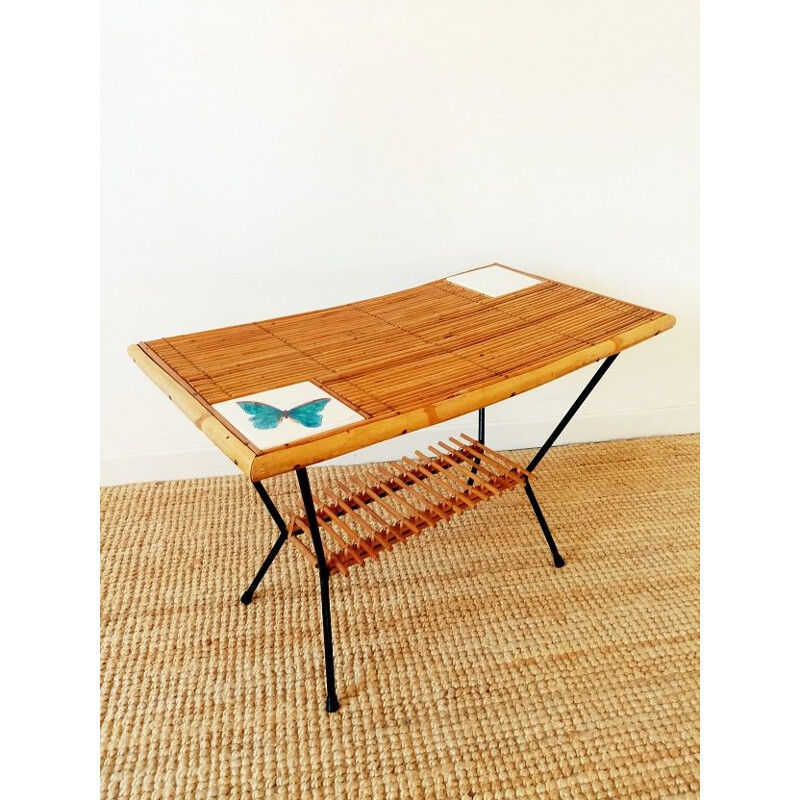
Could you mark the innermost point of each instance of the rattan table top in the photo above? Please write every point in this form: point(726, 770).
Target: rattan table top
point(402, 361)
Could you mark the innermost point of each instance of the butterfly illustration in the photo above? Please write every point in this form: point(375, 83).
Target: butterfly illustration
point(265, 417)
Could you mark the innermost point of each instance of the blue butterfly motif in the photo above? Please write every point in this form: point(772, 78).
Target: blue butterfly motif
point(265, 417)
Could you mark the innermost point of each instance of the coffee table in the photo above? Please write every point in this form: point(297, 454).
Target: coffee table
point(282, 394)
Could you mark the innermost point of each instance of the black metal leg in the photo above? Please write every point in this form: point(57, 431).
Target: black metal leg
point(332, 703)
point(247, 597)
point(541, 452)
point(558, 561)
point(481, 439)
point(324, 574)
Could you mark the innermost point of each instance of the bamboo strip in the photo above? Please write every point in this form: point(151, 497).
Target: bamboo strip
point(334, 534)
point(236, 447)
point(441, 512)
point(470, 475)
point(305, 527)
point(349, 512)
point(502, 478)
point(463, 487)
point(427, 485)
point(440, 481)
point(397, 494)
point(304, 550)
point(382, 524)
point(512, 476)
point(331, 558)
point(383, 504)
point(499, 458)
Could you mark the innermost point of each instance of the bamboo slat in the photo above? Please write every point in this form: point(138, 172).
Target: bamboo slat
point(398, 495)
point(463, 468)
point(381, 523)
point(427, 485)
point(445, 470)
point(477, 464)
point(404, 361)
point(343, 520)
point(512, 476)
point(442, 484)
point(498, 458)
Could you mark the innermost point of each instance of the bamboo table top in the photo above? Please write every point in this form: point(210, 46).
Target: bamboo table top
point(394, 364)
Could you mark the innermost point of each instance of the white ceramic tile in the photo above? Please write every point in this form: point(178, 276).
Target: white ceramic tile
point(275, 407)
point(494, 281)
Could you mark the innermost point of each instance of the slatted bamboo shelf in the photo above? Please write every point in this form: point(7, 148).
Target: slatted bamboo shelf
point(401, 501)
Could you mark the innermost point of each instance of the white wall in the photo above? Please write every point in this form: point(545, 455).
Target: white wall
point(263, 158)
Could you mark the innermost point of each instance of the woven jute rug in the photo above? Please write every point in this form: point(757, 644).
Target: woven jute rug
point(467, 665)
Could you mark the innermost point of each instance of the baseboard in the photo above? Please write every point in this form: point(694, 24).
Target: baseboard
point(204, 462)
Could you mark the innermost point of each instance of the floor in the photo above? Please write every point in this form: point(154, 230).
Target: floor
point(468, 666)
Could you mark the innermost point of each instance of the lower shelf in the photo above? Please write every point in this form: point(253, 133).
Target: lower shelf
point(403, 500)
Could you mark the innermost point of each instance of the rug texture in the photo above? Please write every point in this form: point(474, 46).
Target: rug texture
point(467, 665)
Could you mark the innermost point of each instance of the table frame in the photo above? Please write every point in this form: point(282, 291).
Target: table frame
point(332, 701)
